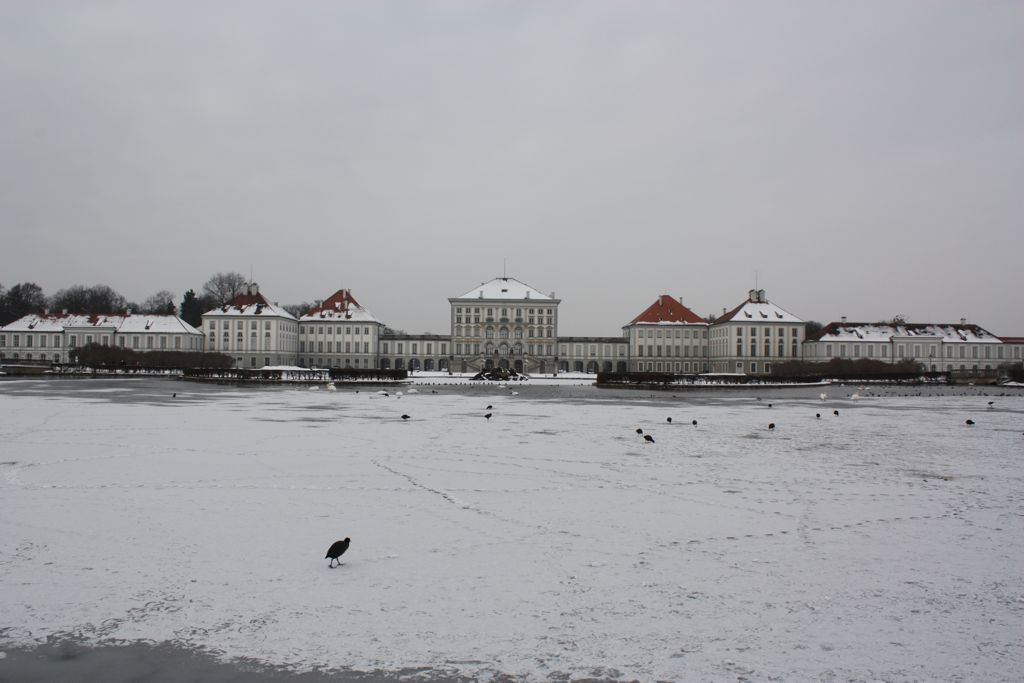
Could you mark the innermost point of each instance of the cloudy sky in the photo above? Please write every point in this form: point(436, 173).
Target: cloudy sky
point(863, 159)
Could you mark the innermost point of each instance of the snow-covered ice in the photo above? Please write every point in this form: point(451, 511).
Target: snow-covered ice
point(547, 543)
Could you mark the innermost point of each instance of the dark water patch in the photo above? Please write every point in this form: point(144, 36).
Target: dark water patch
point(68, 661)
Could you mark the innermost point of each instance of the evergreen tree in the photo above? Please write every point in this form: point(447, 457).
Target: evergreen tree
point(192, 308)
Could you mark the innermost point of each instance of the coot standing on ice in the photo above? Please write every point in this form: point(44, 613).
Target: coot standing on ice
point(336, 550)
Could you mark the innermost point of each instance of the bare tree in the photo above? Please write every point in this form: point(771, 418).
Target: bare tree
point(161, 303)
point(298, 310)
point(20, 300)
point(223, 287)
point(97, 300)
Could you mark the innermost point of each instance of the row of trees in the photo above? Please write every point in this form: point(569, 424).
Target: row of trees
point(27, 298)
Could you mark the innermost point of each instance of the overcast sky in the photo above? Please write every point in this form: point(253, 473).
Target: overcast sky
point(863, 158)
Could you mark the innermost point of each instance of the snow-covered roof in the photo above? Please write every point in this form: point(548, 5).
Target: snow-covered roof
point(757, 309)
point(128, 323)
point(666, 310)
point(340, 306)
point(249, 303)
point(36, 323)
point(505, 288)
point(886, 332)
point(162, 324)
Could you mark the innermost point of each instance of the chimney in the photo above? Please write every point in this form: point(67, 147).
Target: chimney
point(843, 319)
point(761, 297)
point(254, 288)
point(752, 296)
point(963, 321)
point(46, 311)
point(128, 312)
point(64, 311)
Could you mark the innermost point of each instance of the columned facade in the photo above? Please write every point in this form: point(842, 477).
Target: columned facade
point(504, 323)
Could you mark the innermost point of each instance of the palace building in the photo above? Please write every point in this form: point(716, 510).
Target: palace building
point(504, 323)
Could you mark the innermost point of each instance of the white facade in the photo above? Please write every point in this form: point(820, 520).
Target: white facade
point(593, 354)
point(504, 323)
point(253, 331)
point(429, 352)
point(52, 337)
point(938, 347)
point(339, 333)
point(755, 334)
point(667, 337)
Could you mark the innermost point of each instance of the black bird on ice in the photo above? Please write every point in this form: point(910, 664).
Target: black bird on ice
point(969, 423)
point(639, 431)
point(488, 415)
point(771, 426)
point(336, 550)
point(404, 416)
point(648, 438)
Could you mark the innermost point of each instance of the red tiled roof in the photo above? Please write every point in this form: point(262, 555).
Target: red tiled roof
point(1012, 340)
point(339, 301)
point(245, 299)
point(667, 309)
point(726, 317)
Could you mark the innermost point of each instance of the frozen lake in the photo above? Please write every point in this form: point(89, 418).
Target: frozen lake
point(547, 543)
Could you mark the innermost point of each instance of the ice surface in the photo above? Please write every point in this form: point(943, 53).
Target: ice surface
point(547, 543)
